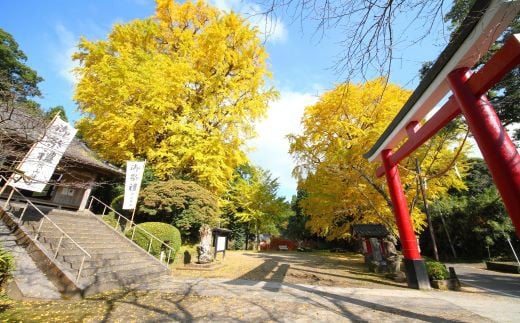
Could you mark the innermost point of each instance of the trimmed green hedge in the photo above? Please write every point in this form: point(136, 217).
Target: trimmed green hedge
point(436, 270)
point(163, 231)
point(110, 219)
point(117, 204)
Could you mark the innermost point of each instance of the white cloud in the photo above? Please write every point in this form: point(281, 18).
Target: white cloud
point(63, 53)
point(272, 146)
point(272, 29)
point(227, 5)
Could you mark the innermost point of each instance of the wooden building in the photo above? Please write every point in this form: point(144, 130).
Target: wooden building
point(79, 170)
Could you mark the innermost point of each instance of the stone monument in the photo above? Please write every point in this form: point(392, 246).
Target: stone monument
point(204, 249)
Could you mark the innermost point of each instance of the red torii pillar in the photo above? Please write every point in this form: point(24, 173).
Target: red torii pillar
point(496, 147)
point(416, 274)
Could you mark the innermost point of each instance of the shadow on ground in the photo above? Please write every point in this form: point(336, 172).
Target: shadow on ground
point(347, 271)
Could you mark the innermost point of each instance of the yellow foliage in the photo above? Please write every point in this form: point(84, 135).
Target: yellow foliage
point(181, 89)
point(341, 185)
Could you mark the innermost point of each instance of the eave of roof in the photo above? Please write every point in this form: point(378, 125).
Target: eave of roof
point(468, 45)
point(369, 230)
point(29, 128)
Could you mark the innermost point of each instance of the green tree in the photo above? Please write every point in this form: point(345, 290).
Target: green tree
point(253, 200)
point(475, 219)
point(297, 222)
point(183, 204)
point(54, 110)
point(18, 82)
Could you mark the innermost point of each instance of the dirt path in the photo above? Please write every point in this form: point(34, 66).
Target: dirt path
point(316, 268)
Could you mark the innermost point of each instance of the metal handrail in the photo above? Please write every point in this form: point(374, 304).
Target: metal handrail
point(45, 217)
point(132, 224)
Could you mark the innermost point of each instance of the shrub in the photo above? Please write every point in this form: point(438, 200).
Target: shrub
point(6, 266)
point(117, 204)
point(112, 220)
point(436, 270)
point(162, 231)
point(184, 204)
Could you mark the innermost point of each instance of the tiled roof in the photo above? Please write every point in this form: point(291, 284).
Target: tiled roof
point(26, 128)
point(369, 230)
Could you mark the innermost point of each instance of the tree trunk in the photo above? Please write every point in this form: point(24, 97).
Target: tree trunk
point(257, 237)
point(449, 238)
point(428, 217)
point(247, 237)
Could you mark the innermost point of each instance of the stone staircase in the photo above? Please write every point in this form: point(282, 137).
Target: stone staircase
point(114, 263)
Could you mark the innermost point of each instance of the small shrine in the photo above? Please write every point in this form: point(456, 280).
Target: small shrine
point(372, 244)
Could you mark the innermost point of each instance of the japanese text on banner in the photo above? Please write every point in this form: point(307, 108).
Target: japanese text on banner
point(39, 164)
point(134, 176)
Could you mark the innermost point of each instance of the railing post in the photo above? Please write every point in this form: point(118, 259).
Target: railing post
point(90, 204)
point(39, 229)
point(58, 248)
point(133, 233)
point(118, 219)
point(150, 245)
point(104, 209)
point(23, 212)
point(80, 268)
point(169, 255)
point(9, 198)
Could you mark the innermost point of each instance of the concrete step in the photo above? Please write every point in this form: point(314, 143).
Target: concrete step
point(77, 256)
point(81, 232)
point(87, 219)
point(129, 276)
point(112, 263)
point(87, 244)
point(63, 224)
point(130, 267)
point(84, 237)
point(28, 280)
point(115, 262)
point(95, 288)
point(108, 250)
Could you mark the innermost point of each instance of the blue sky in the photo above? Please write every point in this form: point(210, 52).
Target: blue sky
point(300, 59)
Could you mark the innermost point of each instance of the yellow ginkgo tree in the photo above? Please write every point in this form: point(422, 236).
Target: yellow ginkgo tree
point(341, 186)
point(181, 89)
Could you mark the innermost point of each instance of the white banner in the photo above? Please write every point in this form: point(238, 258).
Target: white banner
point(39, 164)
point(134, 176)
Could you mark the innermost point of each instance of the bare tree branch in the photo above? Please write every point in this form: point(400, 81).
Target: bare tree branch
point(369, 27)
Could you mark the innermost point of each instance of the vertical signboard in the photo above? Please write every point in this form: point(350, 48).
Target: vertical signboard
point(134, 176)
point(39, 164)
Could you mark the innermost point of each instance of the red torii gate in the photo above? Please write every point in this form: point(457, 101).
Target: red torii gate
point(451, 72)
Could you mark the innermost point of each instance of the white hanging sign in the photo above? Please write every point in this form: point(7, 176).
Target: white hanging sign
point(39, 164)
point(221, 244)
point(134, 176)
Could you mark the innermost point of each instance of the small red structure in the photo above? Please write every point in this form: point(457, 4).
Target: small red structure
point(371, 237)
point(275, 244)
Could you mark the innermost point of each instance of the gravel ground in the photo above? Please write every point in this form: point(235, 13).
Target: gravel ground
point(273, 287)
